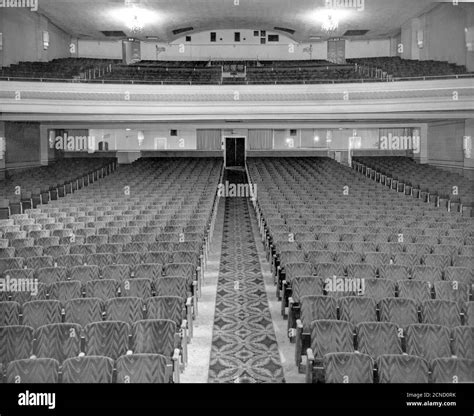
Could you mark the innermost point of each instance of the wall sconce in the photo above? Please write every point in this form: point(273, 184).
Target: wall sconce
point(467, 147)
point(45, 40)
point(469, 38)
point(3, 147)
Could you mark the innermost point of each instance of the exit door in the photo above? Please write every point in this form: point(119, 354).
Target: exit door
point(234, 151)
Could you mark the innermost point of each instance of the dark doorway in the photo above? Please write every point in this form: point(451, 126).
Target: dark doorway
point(235, 151)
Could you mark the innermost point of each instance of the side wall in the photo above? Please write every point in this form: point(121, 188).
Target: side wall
point(249, 47)
point(441, 145)
point(445, 146)
point(23, 145)
point(443, 32)
point(23, 37)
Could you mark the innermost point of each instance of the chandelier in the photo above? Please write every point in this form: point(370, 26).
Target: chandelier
point(136, 27)
point(330, 24)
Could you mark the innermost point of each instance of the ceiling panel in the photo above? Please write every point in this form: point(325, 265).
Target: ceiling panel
point(381, 17)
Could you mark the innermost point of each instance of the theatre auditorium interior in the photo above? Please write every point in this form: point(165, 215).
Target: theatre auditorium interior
point(236, 191)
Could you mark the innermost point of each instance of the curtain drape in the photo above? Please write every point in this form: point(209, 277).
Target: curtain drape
point(260, 139)
point(208, 139)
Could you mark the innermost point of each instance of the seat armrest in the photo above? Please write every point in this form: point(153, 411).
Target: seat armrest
point(309, 365)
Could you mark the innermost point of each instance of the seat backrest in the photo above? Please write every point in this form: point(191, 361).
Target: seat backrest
point(306, 286)
point(58, 341)
point(403, 312)
point(64, 291)
point(296, 269)
point(316, 308)
point(87, 370)
point(171, 286)
point(107, 338)
point(148, 271)
point(154, 336)
point(84, 273)
point(343, 367)
point(378, 338)
point(452, 370)
point(395, 368)
point(454, 291)
point(379, 288)
point(141, 288)
point(357, 309)
point(38, 370)
point(428, 341)
point(41, 312)
point(118, 272)
point(331, 336)
point(103, 289)
point(125, 309)
point(419, 291)
point(469, 313)
point(48, 275)
point(166, 307)
point(9, 313)
point(440, 312)
point(16, 344)
point(144, 368)
point(463, 341)
point(83, 311)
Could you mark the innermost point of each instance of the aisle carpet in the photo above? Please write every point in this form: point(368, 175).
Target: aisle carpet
point(244, 346)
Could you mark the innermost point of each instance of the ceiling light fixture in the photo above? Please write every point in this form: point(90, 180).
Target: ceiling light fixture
point(135, 18)
point(136, 27)
point(330, 24)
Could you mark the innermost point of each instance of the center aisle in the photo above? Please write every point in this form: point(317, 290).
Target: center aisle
point(244, 346)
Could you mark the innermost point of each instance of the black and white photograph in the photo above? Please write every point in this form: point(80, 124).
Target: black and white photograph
point(252, 203)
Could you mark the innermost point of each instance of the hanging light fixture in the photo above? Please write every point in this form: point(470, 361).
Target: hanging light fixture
point(135, 17)
point(135, 25)
point(330, 24)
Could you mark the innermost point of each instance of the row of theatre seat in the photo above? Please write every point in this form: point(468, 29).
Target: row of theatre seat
point(304, 74)
point(429, 183)
point(296, 71)
point(29, 188)
point(398, 67)
point(84, 312)
point(346, 367)
point(25, 351)
point(61, 68)
point(347, 252)
point(128, 251)
point(61, 284)
point(132, 368)
point(169, 74)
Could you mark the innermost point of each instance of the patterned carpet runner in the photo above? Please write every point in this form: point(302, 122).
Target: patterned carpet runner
point(244, 346)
